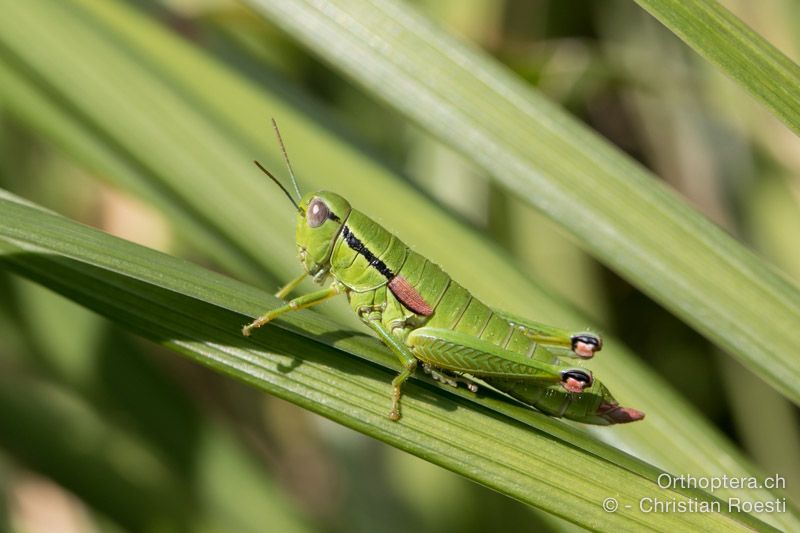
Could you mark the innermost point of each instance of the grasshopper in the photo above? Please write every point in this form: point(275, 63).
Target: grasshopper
point(424, 316)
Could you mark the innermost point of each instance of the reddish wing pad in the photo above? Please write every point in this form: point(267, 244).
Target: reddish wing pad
point(409, 296)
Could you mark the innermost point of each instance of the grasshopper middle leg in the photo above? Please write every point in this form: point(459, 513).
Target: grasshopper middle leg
point(402, 352)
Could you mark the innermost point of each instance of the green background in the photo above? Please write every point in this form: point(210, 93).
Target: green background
point(575, 162)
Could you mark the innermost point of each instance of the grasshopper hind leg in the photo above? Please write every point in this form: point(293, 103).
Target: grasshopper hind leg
point(583, 344)
point(466, 355)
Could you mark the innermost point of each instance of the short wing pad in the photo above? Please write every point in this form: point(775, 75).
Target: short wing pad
point(409, 296)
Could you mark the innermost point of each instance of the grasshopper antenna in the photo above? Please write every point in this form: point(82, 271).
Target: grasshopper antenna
point(273, 178)
point(286, 158)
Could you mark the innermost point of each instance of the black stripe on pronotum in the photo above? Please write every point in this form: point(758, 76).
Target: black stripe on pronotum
point(354, 243)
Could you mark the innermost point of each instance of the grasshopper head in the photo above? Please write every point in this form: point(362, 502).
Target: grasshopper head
point(320, 218)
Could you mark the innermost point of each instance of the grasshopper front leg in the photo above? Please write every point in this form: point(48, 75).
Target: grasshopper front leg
point(301, 302)
point(289, 287)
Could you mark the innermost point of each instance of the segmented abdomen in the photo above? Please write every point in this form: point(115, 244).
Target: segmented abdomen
point(457, 309)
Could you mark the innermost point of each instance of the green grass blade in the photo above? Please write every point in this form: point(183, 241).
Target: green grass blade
point(720, 37)
point(133, 458)
point(198, 313)
point(46, 43)
point(122, 477)
point(616, 209)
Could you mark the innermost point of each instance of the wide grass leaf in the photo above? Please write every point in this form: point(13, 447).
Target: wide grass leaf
point(200, 313)
point(190, 151)
point(744, 55)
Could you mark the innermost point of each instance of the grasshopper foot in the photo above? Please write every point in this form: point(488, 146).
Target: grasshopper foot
point(255, 324)
point(394, 414)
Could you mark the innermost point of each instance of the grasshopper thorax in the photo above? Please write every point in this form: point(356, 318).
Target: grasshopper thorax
point(320, 218)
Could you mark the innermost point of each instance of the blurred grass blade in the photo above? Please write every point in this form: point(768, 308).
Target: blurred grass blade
point(719, 36)
point(147, 461)
point(46, 67)
point(137, 493)
point(617, 210)
point(138, 490)
point(189, 309)
point(136, 152)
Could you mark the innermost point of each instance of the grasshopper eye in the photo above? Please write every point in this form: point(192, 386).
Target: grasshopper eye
point(317, 213)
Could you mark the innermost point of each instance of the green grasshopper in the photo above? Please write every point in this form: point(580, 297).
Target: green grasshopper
point(422, 315)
